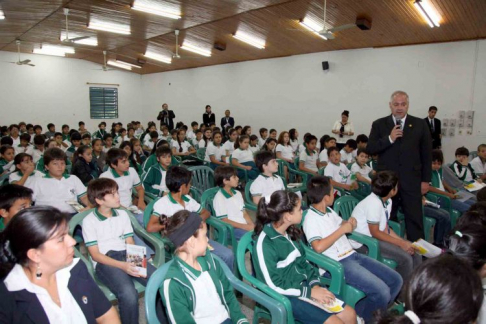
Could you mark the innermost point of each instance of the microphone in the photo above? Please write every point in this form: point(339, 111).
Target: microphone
point(399, 122)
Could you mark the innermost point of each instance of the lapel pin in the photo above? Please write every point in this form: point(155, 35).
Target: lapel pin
point(410, 125)
point(85, 300)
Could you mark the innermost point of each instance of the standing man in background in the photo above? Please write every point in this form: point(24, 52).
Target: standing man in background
point(166, 117)
point(403, 145)
point(435, 128)
point(227, 122)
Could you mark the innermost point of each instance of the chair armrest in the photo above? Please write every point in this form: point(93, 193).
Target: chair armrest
point(369, 242)
point(222, 228)
point(251, 206)
point(442, 200)
point(396, 227)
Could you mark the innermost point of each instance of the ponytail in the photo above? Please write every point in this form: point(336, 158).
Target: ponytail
point(241, 139)
point(468, 243)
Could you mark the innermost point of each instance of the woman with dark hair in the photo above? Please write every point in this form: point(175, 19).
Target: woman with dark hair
point(41, 282)
point(442, 290)
point(209, 117)
point(344, 129)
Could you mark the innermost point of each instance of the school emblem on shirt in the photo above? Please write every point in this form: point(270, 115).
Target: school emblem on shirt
point(85, 300)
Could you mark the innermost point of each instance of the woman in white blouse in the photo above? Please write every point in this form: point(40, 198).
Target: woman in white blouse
point(42, 283)
point(343, 129)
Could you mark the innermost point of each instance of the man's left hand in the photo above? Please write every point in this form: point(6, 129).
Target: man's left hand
point(424, 186)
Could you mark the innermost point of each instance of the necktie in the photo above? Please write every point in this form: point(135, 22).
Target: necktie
point(432, 124)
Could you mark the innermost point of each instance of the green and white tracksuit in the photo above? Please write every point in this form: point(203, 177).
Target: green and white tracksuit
point(154, 180)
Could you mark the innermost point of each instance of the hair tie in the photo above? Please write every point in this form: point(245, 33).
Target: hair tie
point(412, 316)
point(458, 233)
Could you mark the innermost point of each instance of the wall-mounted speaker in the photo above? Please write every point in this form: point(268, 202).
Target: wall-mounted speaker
point(325, 65)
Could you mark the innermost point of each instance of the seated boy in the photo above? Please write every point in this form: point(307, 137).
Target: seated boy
point(361, 142)
point(442, 222)
point(360, 169)
point(56, 188)
point(38, 151)
point(86, 138)
point(51, 131)
point(326, 233)
point(13, 198)
point(372, 215)
point(65, 133)
point(106, 231)
point(308, 158)
point(191, 134)
point(24, 146)
point(228, 203)
point(101, 132)
point(338, 172)
point(461, 166)
point(154, 179)
point(347, 151)
point(75, 144)
point(108, 140)
point(267, 182)
point(263, 136)
point(479, 162)
point(149, 143)
point(178, 181)
point(60, 144)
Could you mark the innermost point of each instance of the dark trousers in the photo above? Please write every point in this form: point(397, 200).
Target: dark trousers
point(411, 203)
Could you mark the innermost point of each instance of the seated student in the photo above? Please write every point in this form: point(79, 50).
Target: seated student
point(24, 146)
point(479, 162)
point(195, 273)
point(181, 147)
point(442, 219)
point(246, 130)
point(243, 158)
point(38, 150)
point(41, 281)
point(308, 158)
point(229, 145)
point(326, 233)
point(338, 172)
point(207, 138)
point(347, 151)
point(108, 140)
point(302, 146)
point(82, 129)
point(24, 170)
point(442, 290)
point(154, 179)
point(101, 132)
point(122, 137)
point(84, 167)
point(165, 134)
point(373, 162)
point(65, 133)
point(99, 156)
point(461, 166)
point(191, 134)
point(279, 260)
point(152, 159)
point(267, 182)
point(215, 152)
point(86, 139)
point(75, 144)
point(13, 198)
point(60, 144)
point(439, 186)
point(228, 203)
point(149, 142)
point(7, 161)
point(323, 157)
point(263, 136)
point(269, 145)
point(372, 215)
point(57, 188)
point(360, 169)
point(361, 143)
point(51, 131)
point(294, 139)
point(254, 147)
point(137, 151)
point(198, 136)
point(106, 231)
point(178, 181)
point(284, 149)
point(273, 134)
point(127, 147)
point(238, 129)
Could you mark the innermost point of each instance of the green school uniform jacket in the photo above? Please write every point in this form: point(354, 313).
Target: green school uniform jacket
point(281, 264)
point(72, 149)
point(436, 178)
point(2, 225)
point(461, 171)
point(153, 177)
point(179, 297)
point(99, 134)
point(66, 137)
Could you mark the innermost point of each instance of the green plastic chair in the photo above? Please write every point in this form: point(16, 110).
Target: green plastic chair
point(77, 221)
point(400, 229)
point(294, 176)
point(363, 191)
point(202, 177)
point(245, 172)
point(445, 203)
point(207, 203)
point(297, 165)
point(337, 285)
point(277, 310)
point(249, 204)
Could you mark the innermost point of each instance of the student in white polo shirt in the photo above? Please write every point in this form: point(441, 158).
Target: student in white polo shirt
point(181, 147)
point(338, 172)
point(308, 158)
point(215, 152)
point(326, 233)
point(267, 182)
point(228, 203)
point(178, 181)
point(56, 188)
point(360, 169)
point(25, 171)
point(106, 231)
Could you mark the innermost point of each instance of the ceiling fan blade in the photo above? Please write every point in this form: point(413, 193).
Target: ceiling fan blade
point(31, 64)
point(342, 27)
point(25, 61)
point(75, 39)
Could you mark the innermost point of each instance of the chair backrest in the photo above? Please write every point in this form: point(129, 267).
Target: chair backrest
point(281, 167)
point(344, 206)
point(202, 177)
point(207, 199)
point(153, 286)
point(296, 162)
point(201, 153)
point(149, 210)
point(196, 194)
point(248, 198)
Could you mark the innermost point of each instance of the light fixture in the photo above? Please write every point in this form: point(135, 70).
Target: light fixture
point(258, 43)
point(156, 10)
point(195, 49)
point(312, 26)
point(109, 27)
point(428, 12)
point(92, 41)
point(2, 15)
point(129, 64)
point(119, 65)
point(54, 50)
point(158, 57)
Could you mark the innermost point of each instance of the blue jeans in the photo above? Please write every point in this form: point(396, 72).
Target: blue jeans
point(121, 284)
point(224, 253)
point(460, 206)
point(380, 283)
point(442, 225)
point(238, 232)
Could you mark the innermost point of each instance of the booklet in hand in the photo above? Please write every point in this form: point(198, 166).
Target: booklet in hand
point(136, 255)
point(426, 249)
point(336, 306)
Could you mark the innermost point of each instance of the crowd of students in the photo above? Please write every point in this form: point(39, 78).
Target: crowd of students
point(104, 169)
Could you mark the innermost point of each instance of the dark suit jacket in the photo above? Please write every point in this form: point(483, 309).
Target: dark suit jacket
point(231, 121)
point(436, 140)
point(170, 122)
point(409, 156)
point(207, 119)
point(23, 307)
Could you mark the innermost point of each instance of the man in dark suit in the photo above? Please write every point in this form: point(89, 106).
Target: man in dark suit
point(166, 117)
point(227, 122)
point(403, 144)
point(435, 128)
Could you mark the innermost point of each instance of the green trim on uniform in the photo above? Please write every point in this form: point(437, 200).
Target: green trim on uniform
point(226, 194)
point(116, 175)
point(92, 243)
point(102, 218)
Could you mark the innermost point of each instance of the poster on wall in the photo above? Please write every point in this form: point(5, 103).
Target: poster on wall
point(452, 132)
point(445, 122)
point(452, 123)
point(444, 132)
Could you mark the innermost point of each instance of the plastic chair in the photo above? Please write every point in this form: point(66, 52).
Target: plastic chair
point(202, 177)
point(399, 227)
point(249, 204)
point(363, 191)
point(297, 165)
point(445, 203)
point(293, 176)
point(277, 310)
point(245, 172)
point(165, 242)
point(226, 232)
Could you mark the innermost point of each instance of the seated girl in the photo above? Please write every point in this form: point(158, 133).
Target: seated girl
point(242, 157)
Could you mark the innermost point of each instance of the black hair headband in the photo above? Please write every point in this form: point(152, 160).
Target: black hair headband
point(183, 233)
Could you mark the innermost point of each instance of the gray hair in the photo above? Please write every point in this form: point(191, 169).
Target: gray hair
point(398, 93)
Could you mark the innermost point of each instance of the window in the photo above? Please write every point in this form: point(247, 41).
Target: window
point(103, 103)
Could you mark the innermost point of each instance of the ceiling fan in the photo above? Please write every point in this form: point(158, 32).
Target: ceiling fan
point(19, 62)
point(104, 67)
point(176, 55)
point(67, 39)
point(329, 32)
